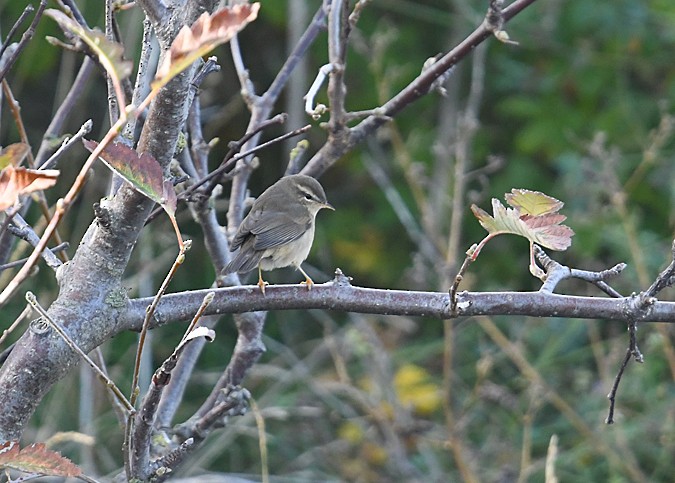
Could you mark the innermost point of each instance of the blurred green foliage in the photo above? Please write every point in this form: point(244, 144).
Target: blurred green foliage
point(327, 385)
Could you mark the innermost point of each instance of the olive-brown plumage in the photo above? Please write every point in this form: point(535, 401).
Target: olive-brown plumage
point(279, 230)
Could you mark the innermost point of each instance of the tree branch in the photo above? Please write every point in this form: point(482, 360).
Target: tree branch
point(418, 88)
point(342, 296)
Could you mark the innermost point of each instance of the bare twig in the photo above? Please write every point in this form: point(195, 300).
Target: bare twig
point(459, 277)
point(633, 351)
point(56, 124)
point(25, 38)
point(24, 15)
point(149, 315)
point(24, 313)
point(316, 111)
point(344, 140)
point(145, 418)
point(665, 279)
point(67, 143)
point(53, 262)
point(32, 300)
point(555, 273)
point(143, 76)
point(234, 402)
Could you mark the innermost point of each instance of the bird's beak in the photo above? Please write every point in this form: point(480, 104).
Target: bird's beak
point(328, 205)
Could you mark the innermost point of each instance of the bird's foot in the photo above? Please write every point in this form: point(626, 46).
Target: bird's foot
point(262, 284)
point(309, 282)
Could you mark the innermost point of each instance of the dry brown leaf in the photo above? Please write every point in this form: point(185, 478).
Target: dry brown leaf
point(205, 34)
point(18, 181)
point(36, 459)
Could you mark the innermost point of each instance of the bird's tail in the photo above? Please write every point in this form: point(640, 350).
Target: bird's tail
point(245, 260)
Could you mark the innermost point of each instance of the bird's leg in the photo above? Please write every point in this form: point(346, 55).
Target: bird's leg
point(261, 282)
point(308, 281)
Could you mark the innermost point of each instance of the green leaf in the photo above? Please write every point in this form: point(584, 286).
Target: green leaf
point(13, 154)
point(109, 53)
point(533, 202)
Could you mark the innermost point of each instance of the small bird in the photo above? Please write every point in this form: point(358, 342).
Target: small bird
point(279, 229)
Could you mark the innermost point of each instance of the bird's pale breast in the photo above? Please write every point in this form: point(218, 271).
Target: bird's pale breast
point(293, 253)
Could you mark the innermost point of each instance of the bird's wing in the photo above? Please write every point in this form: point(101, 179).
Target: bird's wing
point(273, 229)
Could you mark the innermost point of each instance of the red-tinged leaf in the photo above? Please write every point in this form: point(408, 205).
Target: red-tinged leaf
point(169, 197)
point(532, 202)
point(15, 182)
point(13, 154)
point(143, 172)
point(110, 54)
point(36, 459)
point(547, 227)
point(533, 216)
point(206, 33)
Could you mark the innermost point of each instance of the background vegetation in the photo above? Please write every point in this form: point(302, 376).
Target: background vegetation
point(582, 109)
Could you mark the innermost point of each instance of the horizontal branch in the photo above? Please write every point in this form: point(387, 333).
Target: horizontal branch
point(342, 296)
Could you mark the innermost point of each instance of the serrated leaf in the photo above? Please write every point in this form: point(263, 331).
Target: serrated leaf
point(36, 459)
point(533, 216)
point(141, 171)
point(109, 53)
point(15, 182)
point(204, 35)
point(533, 202)
point(13, 154)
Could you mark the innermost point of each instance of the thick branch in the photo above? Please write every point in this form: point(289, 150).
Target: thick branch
point(348, 298)
point(91, 301)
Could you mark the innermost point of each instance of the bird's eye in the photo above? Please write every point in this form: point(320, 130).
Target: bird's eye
point(308, 197)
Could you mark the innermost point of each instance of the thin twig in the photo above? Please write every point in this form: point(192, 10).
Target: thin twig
point(5, 333)
point(262, 440)
point(555, 273)
point(67, 143)
point(231, 158)
point(145, 418)
point(32, 300)
point(615, 387)
point(25, 38)
point(55, 262)
point(129, 449)
point(665, 279)
point(316, 111)
point(148, 316)
point(218, 172)
point(459, 277)
point(57, 122)
point(26, 11)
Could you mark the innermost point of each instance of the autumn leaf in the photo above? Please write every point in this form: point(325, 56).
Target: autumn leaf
point(143, 173)
point(206, 33)
point(533, 215)
point(36, 459)
point(15, 182)
point(109, 53)
point(13, 154)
